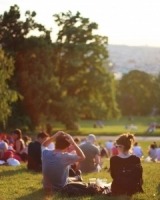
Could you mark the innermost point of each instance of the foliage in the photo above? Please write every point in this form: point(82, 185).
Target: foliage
point(87, 88)
point(136, 93)
point(36, 82)
point(13, 31)
point(7, 95)
point(157, 93)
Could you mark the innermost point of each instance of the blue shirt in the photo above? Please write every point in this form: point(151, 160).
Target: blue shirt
point(55, 168)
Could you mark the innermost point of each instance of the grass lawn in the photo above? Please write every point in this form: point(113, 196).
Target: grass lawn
point(114, 127)
point(17, 183)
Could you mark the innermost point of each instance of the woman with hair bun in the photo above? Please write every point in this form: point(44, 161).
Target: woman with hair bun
point(125, 168)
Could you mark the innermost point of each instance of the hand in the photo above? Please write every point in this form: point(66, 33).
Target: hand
point(70, 139)
point(58, 134)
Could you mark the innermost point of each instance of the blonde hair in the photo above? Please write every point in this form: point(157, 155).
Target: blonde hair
point(127, 140)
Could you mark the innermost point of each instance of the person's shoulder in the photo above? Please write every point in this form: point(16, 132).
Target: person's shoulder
point(34, 143)
point(115, 158)
point(135, 158)
point(46, 152)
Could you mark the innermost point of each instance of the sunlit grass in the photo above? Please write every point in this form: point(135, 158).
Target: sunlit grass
point(114, 127)
point(17, 183)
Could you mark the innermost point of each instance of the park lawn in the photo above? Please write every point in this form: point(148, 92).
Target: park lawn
point(113, 127)
point(17, 183)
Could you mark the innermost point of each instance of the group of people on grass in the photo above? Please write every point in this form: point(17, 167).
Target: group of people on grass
point(153, 153)
point(62, 159)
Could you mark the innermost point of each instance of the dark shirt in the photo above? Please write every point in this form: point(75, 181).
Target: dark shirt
point(34, 156)
point(126, 174)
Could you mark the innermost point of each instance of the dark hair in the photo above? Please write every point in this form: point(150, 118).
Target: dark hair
point(18, 132)
point(136, 143)
point(26, 139)
point(61, 142)
point(42, 135)
point(126, 140)
point(77, 140)
point(153, 146)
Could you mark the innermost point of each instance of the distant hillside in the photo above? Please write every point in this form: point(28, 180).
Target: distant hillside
point(126, 58)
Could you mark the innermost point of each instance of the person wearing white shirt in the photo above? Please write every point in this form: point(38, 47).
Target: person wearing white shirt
point(137, 150)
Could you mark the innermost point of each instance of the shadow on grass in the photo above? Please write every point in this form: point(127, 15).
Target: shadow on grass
point(36, 195)
point(15, 171)
point(40, 195)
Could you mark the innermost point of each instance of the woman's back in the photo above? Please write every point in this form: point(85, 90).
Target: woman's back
point(126, 174)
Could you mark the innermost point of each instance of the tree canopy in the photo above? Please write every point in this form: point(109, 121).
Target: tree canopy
point(7, 95)
point(137, 94)
point(68, 79)
point(13, 30)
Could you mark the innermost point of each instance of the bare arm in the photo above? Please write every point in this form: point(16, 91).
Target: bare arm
point(51, 139)
point(79, 152)
point(18, 146)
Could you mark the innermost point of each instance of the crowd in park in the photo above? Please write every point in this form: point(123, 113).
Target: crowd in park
point(63, 159)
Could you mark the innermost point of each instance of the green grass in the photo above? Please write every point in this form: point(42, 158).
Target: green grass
point(17, 183)
point(113, 127)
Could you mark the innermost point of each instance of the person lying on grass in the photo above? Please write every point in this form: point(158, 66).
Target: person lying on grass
point(56, 163)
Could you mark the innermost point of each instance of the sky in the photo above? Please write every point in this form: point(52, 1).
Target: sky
point(124, 22)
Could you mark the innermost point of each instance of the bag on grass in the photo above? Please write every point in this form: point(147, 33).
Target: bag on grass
point(76, 189)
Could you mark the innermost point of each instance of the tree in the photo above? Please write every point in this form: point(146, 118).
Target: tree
point(80, 58)
point(36, 80)
point(13, 31)
point(136, 93)
point(64, 80)
point(157, 93)
point(14, 34)
point(7, 95)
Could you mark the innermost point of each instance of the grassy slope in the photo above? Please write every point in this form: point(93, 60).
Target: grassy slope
point(19, 184)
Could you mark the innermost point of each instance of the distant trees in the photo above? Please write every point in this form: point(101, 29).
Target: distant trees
point(137, 93)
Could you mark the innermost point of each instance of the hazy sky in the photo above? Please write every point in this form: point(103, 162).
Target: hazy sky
point(128, 22)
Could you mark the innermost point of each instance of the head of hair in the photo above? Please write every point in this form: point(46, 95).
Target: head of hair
point(136, 143)
point(61, 142)
point(18, 132)
point(153, 146)
point(91, 138)
point(127, 140)
point(26, 139)
point(77, 140)
point(42, 135)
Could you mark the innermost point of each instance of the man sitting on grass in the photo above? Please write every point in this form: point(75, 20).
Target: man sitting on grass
point(56, 163)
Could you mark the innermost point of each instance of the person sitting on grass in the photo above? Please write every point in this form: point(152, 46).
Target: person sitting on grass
point(18, 144)
point(35, 152)
point(92, 163)
point(152, 152)
point(125, 168)
point(56, 163)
